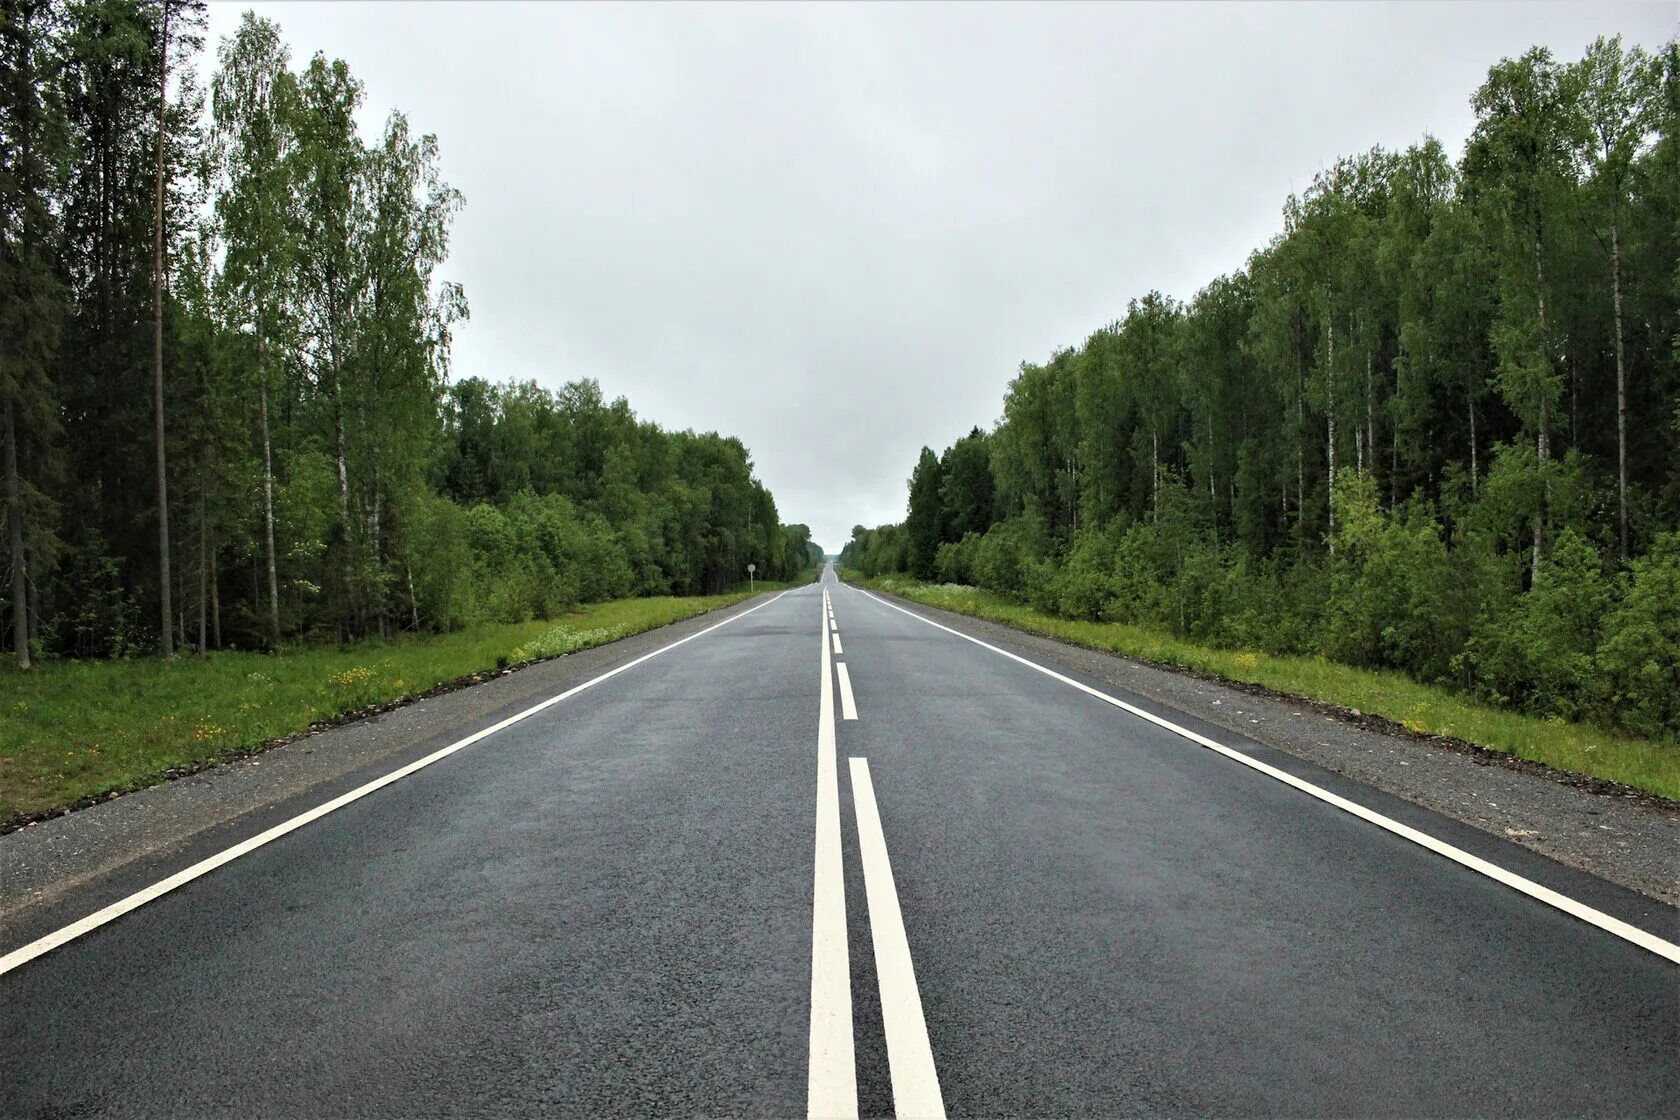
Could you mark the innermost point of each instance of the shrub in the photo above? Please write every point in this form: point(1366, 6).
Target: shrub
point(1639, 656)
point(1540, 654)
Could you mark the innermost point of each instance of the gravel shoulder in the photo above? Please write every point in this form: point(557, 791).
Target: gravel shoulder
point(53, 871)
point(1625, 836)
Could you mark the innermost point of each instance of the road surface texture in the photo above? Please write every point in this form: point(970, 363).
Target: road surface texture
point(827, 857)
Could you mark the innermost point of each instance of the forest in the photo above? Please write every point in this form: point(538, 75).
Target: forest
point(226, 401)
point(1432, 426)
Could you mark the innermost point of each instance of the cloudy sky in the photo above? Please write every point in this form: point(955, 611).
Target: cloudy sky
point(835, 231)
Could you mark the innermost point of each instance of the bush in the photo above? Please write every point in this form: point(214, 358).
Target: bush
point(1004, 556)
point(1539, 655)
point(955, 560)
point(1639, 656)
point(1391, 586)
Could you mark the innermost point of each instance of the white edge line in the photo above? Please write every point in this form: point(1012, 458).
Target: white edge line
point(93, 921)
point(915, 1078)
point(848, 706)
point(1624, 930)
point(831, 1073)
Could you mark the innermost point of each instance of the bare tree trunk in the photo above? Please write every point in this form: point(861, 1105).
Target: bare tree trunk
point(1542, 442)
point(1473, 472)
point(203, 575)
point(1155, 473)
point(215, 601)
point(413, 603)
point(1330, 431)
point(1300, 450)
point(378, 555)
point(268, 524)
point(166, 613)
point(341, 455)
point(1370, 415)
point(14, 542)
point(1621, 388)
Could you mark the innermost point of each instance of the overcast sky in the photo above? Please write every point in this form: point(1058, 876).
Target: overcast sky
point(836, 231)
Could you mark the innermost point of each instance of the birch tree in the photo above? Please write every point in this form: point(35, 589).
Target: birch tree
point(252, 97)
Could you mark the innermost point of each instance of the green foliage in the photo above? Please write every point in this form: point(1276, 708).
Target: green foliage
point(1395, 437)
point(329, 481)
point(1639, 656)
point(1421, 708)
point(926, 522)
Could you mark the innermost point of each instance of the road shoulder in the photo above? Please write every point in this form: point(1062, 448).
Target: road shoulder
point(53, 870)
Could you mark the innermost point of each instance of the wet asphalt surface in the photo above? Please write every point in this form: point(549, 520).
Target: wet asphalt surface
point(609, 913)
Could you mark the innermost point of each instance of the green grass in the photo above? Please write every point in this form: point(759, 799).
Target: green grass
point(75, 729)
point(1425, 709)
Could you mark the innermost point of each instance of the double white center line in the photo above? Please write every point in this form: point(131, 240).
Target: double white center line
point(832, 1084)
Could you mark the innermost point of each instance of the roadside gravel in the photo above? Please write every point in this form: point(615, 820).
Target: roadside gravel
point(153, 832)
point(1627, 836)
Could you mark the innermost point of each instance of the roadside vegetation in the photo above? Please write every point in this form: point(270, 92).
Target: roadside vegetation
point(76, 729)
point(228, 414)
point(1392, 455)
point(1421, 708)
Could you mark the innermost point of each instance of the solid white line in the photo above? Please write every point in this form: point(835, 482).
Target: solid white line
point(848, 706)
point(915, 1081)
point(1627, 932)
point(831, 1085)
point(162, 887)
point(837, 650)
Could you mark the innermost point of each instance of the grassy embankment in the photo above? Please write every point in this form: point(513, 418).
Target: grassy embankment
point(1425, 709)
point(76, 729)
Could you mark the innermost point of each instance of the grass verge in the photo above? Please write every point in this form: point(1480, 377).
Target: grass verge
point(1420, 708)
point(74, 730)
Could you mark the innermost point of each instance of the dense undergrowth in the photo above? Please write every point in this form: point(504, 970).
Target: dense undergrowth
point(1421, 708)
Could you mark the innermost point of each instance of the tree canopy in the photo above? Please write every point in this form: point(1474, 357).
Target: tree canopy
point(1398, 435)
point(237, 282)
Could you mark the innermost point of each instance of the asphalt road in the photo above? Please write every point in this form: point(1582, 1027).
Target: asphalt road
point(1046, 906)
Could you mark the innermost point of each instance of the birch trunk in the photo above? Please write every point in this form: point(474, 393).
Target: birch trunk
point(14, 542)
point(1543, 445)
point(166, 613)
point(203, 575)
point(1330, 430)
point(1621, 386)
point(215, 601)
point(268, 524)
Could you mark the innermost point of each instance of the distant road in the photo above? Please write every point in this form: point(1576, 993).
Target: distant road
point(828, 856)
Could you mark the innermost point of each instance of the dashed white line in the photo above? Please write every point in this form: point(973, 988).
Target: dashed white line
point(93, 921)
point(831, 1083)
point(848, 706)
point(1615, 926)
point(915, 1080)
point(837, 649)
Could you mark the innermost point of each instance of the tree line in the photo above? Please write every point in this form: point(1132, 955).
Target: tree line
point(1433, 425)
point(225, 393)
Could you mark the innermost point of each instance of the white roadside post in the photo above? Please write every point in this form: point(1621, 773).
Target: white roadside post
point(751, 568)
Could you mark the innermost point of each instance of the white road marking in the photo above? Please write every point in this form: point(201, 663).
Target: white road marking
point(848, 706)
point(837, 649)
point(831, 1085)
point(833, 625)
point(93, 921)
point(1615, 926)
point(915, 1081)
